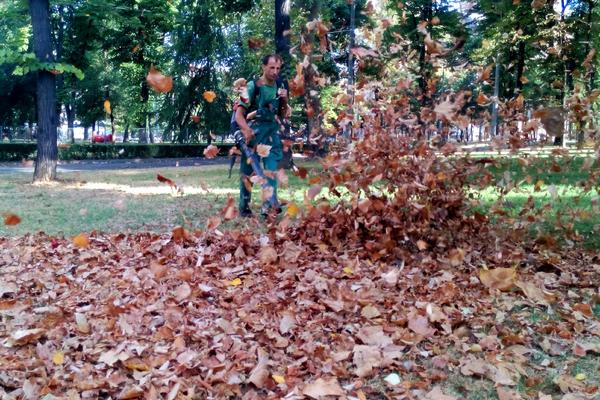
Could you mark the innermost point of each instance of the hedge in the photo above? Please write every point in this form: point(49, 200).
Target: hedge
point(99, 151)
point(103, 151)
point(17, 151)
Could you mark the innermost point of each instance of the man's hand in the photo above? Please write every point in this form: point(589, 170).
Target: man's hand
point(282, 93)
point(248, 133)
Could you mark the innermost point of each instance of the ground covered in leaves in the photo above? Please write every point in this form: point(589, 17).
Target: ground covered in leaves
point(229, 314)
point(391, 286)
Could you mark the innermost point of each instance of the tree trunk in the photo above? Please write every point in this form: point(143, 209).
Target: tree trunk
point(426, 14)
point(126, 133)
point(282, 31)
point(520, 68)
point(70, 111)
point(312, 103)
point(47, 150)
point(591, 72)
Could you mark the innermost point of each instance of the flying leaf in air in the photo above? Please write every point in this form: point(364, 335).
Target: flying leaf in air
point(107, 108)
point(230, 209)
point(213, 223)
point(482, 99)
point(263, 150)
point(209, 96)
point(282, 177)
point(292, 210)
point(211, 151)
point(297, 84)
point(11, 219)
point(159, 82)
point(484, 76)
point(255, 43)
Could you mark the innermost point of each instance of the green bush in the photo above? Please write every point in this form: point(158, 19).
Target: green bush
point(17, 151)
point(96, 151)
point(103, 151)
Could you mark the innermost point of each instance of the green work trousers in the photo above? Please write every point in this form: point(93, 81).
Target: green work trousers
point(265, 133)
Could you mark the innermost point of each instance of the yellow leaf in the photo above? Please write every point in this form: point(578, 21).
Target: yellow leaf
point(136, 364)
point(209, 96)
point(107, 106)
point(235, 282)
point(58, 358)
point(278, 378)
point(348, 270)
point(580, 377)
point(81, 240)
point(292, 210)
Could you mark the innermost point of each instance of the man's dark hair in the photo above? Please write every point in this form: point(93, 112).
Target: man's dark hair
point(276, 57)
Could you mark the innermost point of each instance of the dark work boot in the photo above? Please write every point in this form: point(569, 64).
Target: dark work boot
point(246, 213)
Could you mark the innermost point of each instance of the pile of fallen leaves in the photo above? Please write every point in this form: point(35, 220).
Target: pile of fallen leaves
point(386, 284)
point(236, 315)
point(391, 197)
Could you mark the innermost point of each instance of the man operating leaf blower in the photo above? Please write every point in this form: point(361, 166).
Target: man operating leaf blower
point(266, 100)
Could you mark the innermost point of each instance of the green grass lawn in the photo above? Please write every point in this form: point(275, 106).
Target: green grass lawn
point(563, 190)
point(123, 200)
point(134, 200)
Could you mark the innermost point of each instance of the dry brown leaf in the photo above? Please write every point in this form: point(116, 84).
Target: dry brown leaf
point(211, 151)
point(419, 324)
point(183, 291)
point(437, 394)
point(24, 336)
point(507, 394)
point(287, 322)
point(365, 359)
point(536, 293)
point(499, 278)
point(263, 150)
point(158, 81)
point(259, 375)
point(321, 388)
point(11, 219)
point(374, 335)
point(267, 255)
point(212, 223)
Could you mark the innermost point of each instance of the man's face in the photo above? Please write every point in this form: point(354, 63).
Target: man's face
point(271, 70)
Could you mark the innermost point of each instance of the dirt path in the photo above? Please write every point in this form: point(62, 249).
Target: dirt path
point(93, 165)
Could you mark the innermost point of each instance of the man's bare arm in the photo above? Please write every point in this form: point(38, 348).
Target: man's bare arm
point(240, 118)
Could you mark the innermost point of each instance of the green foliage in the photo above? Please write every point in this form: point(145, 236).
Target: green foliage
point(17, 151)
point(87, 151)
point(99, 151)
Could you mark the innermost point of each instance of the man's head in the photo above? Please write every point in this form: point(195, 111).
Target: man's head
point(271, 65)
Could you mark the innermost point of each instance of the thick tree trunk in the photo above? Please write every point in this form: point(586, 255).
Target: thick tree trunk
point(47, 151)
point(282, 31)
